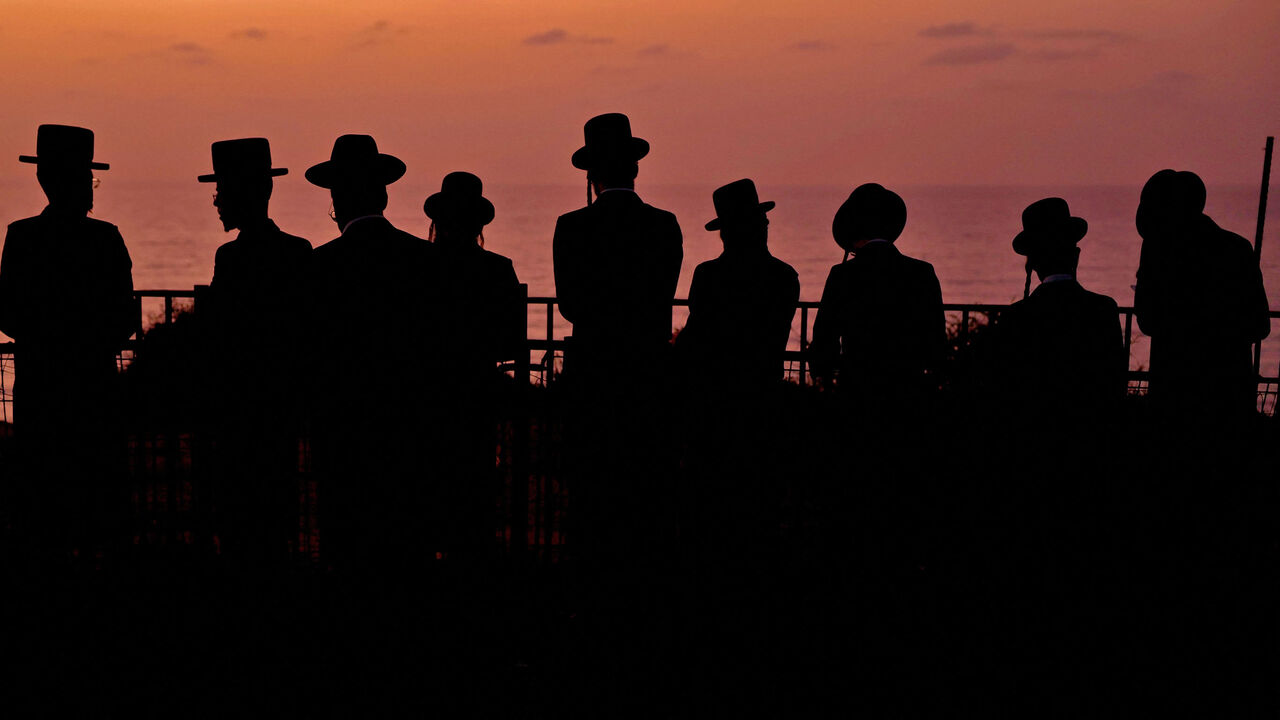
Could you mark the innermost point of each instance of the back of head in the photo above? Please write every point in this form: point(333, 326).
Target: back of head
point(614, 175)
point(872, 212)
point(1170, 199)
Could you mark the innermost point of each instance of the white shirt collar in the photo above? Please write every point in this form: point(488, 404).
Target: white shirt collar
point(873, 241)
point(353, 221)
point(1059, 277)
point(609, 190)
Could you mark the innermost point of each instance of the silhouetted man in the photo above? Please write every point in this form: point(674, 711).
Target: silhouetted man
point(1061, 377)
point(1201, 299)
point(255, 315)
point(740, 309)
point(740, 304)
point(880, 330)
point(482, 312)
point(377, 354)
point(66, 298)
point(616, 266)
point(1062, 346)
point(616, 263)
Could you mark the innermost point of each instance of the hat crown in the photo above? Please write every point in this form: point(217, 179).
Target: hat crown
point(462, 184)
point(353, 148)
point(64, 145)
point(241, 157)
point(736, 198)
point(607, 130)
point(1045, 214)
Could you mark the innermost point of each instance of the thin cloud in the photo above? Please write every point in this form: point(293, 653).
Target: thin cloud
point(950, 30)
point(654, 50)
point(972, 54)
point(190, 53)
point(553, 36)
point(560, 36)
point(252, 33)
point(378, 33)
point(1092, 34)
point(809, 45)
point(1059, 55)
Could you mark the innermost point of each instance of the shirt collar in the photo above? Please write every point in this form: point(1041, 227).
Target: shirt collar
point(1059, 277)
point(609, 190)
point(353, 221)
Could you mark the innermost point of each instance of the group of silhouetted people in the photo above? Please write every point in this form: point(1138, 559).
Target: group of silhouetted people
point(382, 346)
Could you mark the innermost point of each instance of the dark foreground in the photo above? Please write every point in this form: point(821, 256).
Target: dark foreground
point(1075, 579)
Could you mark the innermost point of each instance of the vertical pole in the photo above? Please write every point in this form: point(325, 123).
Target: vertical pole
point(804, 344)
point(168, 309)
point(551, 333)
point(1257, 237)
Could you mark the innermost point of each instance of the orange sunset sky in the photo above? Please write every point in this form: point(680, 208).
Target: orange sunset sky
point(903, 91)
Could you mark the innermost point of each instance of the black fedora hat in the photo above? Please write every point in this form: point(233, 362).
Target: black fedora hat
point(735, 201)
point(64, 145)
point(460, 200)
point(1048, 222)
point(241, 159)
point(608, 141)
point(872, 211)
point(355, 159)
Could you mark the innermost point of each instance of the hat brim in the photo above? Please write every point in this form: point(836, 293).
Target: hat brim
point(1071, 231)
point(214, 177)
point(718, 223)
point(384, 169)
point(586, 157)
point(34, 160)
point(439, 207)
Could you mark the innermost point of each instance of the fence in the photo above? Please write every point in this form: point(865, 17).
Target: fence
point(168, 471)
point(545, 340)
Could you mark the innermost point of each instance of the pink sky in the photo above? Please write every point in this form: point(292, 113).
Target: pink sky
point(902, 92)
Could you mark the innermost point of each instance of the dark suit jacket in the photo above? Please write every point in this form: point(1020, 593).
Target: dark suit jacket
point(66, 297)
point(255, 300)
point(483, 311)
point(881, 323)
point(740, 310)
point(1201, 299)
point(617, 262)
point(375, 329)
point(1062, 352)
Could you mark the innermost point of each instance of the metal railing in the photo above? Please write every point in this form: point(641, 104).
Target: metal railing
point(546, 345)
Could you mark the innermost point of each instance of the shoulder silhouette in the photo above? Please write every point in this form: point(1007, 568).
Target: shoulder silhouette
point(617, 260)
point(257, 275)
point(741, 304)
point(66, 283)
point(1201, 299)
point(480, 289)
point(880, 327)
point(1062, 346)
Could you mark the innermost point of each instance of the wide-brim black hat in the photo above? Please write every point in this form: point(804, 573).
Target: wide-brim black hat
point(64, 145)
point(737, 201)
point(872, 211)
point(1048, 222)
point(245, 158)
point(608, 142)
point(460, 199)
point(355, 160)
